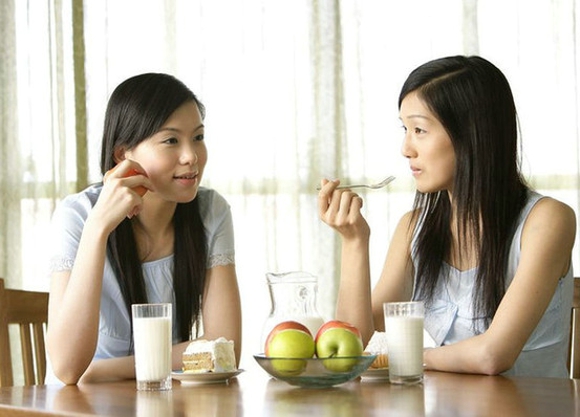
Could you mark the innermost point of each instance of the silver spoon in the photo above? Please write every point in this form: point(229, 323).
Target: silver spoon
point(372, 186)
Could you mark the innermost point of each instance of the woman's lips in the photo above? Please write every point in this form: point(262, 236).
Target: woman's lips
point(187, 178)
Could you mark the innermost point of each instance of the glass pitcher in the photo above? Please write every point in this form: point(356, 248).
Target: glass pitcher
point(294, 297)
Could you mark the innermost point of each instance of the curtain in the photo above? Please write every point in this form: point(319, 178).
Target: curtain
point(295, 91)
point(10, 188)
point(39, 160)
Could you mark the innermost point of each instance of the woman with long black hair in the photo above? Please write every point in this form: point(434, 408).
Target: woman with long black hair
point(490, 257)
point(148, 234)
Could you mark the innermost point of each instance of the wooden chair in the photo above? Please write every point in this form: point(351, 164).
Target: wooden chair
point(29, 310)
point(575, 333)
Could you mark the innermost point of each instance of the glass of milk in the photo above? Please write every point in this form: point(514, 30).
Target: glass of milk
point(152, 343)
point(404, 334)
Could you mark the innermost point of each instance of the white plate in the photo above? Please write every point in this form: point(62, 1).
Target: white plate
point(205, 377)
point(376, 374)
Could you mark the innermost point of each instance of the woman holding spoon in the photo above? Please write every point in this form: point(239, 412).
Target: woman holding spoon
point(490, 257)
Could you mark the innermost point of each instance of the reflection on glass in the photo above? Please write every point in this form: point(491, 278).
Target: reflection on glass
point(281, 399)
point(209, 400)
point(154, 403)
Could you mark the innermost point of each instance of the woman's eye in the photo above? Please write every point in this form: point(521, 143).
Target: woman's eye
point(171, 141)
point(199, 137)
point(404, 128)
point(418, 130)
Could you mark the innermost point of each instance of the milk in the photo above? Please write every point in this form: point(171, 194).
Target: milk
point(313, 323)
point(405, 345)
point(152, 341)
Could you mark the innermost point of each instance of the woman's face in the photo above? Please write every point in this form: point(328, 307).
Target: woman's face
point(427, 146)
point(174, 158)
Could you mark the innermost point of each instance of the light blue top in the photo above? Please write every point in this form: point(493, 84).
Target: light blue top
point(450, 318)
point(114, 326)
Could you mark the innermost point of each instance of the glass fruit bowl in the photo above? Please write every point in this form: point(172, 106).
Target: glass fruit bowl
point(315, 372)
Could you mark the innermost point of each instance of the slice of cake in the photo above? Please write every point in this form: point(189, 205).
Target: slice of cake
point(378, 346)
point(209, 356)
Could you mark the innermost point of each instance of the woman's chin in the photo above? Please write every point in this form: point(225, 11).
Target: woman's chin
point(187, 198)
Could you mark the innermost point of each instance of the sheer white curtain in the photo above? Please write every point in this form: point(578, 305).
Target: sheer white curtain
point(37, 131)
point(294, 91)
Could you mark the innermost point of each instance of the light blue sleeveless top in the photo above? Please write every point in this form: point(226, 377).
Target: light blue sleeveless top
point(450, 318)
point(114, 321)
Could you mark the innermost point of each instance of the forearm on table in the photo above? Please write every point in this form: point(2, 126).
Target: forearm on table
point(111, 369)
point(116, 369)
point(473, 355)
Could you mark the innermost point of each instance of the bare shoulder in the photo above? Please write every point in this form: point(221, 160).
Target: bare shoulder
point(403, 235)
point(554, 212)
point(408, 221)
point(551, 223)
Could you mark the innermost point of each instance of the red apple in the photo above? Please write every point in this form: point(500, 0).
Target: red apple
point(337, 339)
point(132, 171)
point(292, 342)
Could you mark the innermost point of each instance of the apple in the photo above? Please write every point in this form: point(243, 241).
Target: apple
point(132, 171)
point(292, 342)
point(336, 339)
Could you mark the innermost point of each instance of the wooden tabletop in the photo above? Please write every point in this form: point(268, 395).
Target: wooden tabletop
point(253, 393)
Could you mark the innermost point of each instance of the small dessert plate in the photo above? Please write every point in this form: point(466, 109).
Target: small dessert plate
point(378, 374)
point(204, 377)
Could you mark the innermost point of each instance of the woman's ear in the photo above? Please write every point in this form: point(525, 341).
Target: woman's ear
point(119, 154)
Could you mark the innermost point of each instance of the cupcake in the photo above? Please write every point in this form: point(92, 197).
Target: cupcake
point(378, 346)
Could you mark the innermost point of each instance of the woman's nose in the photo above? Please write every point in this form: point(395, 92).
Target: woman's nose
point(189, 155)
point(406, 147)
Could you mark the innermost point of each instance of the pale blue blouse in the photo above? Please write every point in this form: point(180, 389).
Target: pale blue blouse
point(449, 318)
point(114, 325)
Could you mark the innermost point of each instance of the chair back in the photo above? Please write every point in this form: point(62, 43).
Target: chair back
point(28, 310)
point(575, 333)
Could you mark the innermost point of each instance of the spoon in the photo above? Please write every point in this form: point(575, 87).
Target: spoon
point(372, 186)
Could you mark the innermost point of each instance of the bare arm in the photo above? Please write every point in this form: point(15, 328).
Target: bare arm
point(396, 281)
point(116, 369)
point(222, 313)
point(547, 240)
point(75, 295)
point(340, 209)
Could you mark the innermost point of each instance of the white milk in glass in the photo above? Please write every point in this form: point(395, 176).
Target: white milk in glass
point(405, 345)
point(152, 340)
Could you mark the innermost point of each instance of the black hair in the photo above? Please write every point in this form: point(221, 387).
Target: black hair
point(473, 101)
point(137, 109)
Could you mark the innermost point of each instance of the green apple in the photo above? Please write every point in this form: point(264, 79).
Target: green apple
point(291, 342)
point(337, 339)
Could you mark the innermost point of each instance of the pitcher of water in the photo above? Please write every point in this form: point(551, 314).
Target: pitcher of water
point(293, 296)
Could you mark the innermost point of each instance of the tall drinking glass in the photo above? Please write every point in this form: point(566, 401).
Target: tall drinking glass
point(404, 334)
point(152, 341)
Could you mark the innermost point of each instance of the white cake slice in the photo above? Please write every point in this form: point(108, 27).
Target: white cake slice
point(209, 356)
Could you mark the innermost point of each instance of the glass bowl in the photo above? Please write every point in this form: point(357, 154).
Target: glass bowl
point(315, 372)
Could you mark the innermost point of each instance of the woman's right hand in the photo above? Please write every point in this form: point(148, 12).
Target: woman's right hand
point(341, 210)
point(122, 195)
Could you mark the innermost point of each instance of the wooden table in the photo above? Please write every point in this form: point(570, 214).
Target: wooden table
point(253, 393)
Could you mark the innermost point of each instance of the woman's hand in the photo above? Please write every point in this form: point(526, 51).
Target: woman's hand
point(341, 210)
point(122, 194)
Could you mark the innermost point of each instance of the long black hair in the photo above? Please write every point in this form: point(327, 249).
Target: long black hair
point(473, 101)
point(137, 109)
